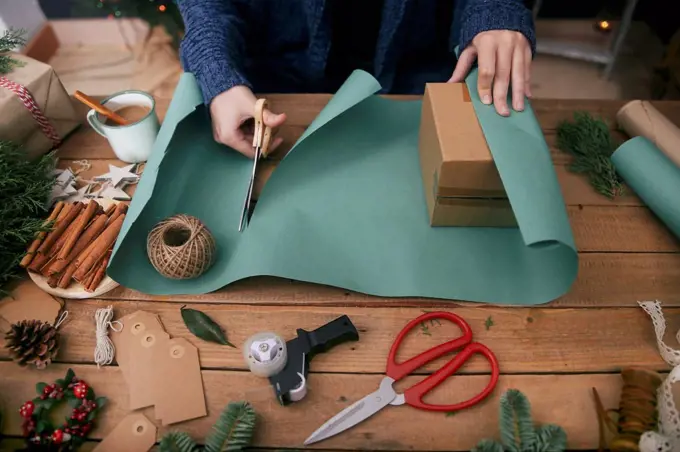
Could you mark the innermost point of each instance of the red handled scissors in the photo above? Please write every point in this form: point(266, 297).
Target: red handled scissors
point(385, 395)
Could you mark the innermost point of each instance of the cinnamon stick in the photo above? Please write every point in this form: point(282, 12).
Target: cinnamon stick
point(110, 209)
point(83, 241)
point(52, 281)
point(41, 235)
point(65, 278)
point(99, 273)
point(60, 227)
point(78, 227)
point(101, 245)
point(120, 210)
point(44, 257)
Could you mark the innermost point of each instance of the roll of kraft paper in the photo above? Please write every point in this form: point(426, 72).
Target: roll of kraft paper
point(652, 175)
point(640, 118)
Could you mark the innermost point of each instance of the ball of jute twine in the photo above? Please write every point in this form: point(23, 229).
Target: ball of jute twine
point(181, 247)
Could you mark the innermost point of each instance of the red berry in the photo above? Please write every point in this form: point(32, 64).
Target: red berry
point(80, 390)
point(47, 389)
point(58, 436)
point(26, 409)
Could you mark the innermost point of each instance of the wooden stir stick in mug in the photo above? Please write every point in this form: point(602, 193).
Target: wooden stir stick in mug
point(99, 108)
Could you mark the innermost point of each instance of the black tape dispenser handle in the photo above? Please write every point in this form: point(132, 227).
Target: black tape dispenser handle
point(329, 335)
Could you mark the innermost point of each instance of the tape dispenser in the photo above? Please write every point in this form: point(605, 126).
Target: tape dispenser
point(286, 364)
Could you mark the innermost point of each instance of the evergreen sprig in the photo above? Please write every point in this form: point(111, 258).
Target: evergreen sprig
point(9, 41)
point(590, 142)
point(518, 433)
point(232, 431)
point(25, 187)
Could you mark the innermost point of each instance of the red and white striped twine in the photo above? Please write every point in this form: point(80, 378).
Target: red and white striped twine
point(33, 107)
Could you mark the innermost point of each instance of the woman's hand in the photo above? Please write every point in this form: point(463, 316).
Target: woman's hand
point(503, 57)
point(231, 112)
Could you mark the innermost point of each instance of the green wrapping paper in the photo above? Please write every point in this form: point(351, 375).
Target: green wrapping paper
point(346, 207)
point(653, 177)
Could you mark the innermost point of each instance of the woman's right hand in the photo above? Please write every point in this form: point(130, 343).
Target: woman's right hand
point(231, 113)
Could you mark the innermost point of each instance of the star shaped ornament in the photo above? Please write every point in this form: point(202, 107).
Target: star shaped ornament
point(64, 178)
point(111, 192)
point(80, 194)
point(118, 176)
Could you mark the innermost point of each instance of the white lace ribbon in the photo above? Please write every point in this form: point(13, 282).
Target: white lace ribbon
point(667, 439)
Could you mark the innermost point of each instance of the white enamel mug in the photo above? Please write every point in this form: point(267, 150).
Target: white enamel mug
point(131, 143)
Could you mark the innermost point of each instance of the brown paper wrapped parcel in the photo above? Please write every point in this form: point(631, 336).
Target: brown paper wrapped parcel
point(19, 124)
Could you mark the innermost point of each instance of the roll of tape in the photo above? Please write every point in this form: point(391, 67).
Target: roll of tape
point(265, 353)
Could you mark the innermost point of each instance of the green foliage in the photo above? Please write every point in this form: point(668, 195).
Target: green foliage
point(9, 41)
point(518, 433)
point(590, 142)
point(25, 187)
point(202, 326)
point(233, 431)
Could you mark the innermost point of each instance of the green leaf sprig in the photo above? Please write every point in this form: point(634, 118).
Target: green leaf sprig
point(590, 142)
point(203, 326)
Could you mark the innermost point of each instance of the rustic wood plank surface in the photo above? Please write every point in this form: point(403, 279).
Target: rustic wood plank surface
point(554, 353)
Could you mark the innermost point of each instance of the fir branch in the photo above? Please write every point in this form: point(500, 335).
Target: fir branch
point(232, 431)
point(518, 433)
point(178, 442)
point(590, 142)
point(25, 187)
point(9, 41)
point(517, 427)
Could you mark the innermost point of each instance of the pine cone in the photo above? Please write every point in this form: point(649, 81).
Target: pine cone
point(32, 342)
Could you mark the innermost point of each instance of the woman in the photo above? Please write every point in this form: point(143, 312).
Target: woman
point(235, 47)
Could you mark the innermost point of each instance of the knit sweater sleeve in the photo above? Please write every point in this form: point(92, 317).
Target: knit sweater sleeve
point(213, 46)
point(483, 15)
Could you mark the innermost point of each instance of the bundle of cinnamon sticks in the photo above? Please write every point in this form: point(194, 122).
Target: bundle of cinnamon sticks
point(78, 246)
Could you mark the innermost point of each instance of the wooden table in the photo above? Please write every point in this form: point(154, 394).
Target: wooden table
point(554, 353)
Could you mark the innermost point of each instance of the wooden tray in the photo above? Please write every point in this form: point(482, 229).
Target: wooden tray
point(77, 291)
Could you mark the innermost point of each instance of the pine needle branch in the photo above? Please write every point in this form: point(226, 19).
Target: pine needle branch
point(233, 431)
point(590, 142)
point(517, 430)
point(25, 187)
point(9, 41)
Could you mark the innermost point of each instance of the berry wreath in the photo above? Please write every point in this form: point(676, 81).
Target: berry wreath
point(37, 426)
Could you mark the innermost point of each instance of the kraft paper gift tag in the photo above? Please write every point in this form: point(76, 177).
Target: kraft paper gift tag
point(27, 301)
point(159, 371)
point(134, 325)
point(135, 433)
point(179, 394)
point(144, 375)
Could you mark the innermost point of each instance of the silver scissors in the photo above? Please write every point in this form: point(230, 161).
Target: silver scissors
point(261, 137)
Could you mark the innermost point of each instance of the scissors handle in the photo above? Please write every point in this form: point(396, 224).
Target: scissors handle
point(414, 395)
point(262, 134)
point(397, 371)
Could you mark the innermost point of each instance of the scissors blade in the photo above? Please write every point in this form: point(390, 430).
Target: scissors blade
point(355, 413)
point(249, 194)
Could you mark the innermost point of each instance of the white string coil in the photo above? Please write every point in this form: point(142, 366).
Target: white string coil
point(105, 351)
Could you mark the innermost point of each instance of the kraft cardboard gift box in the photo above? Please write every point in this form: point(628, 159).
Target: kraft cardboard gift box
point(18, 123)
point(462, 184)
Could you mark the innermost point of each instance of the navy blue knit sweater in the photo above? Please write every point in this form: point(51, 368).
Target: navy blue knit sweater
point(284, 45)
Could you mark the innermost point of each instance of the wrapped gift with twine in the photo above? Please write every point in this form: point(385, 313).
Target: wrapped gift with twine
point(36, 110)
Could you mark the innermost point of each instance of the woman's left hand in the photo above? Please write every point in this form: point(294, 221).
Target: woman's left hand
point(503, 57)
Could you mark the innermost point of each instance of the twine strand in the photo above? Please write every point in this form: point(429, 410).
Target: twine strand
point(105, 351)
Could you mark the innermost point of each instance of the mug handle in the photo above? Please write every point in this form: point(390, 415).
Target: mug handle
point(94, 123)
